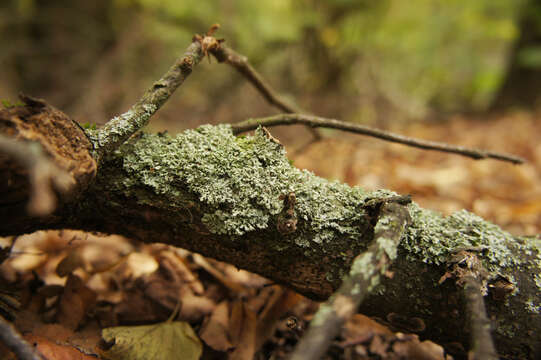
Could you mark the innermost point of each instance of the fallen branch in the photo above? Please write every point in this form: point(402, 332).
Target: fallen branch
point(315, 121)
point(45, 176)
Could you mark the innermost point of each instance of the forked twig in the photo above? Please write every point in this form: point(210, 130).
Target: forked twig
point(241, 64)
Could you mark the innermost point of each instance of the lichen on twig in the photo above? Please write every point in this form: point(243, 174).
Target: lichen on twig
point(121, 127)
point(365, 274)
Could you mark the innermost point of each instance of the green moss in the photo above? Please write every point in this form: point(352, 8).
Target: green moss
point(8, 104)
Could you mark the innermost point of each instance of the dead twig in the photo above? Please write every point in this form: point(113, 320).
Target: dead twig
point(240, 63)
point(470, 274)
point(121, 127)
point(364, 275)
point(315, 121)
point(13, 341)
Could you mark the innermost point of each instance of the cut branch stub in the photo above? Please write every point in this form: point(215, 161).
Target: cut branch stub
point(43, 151)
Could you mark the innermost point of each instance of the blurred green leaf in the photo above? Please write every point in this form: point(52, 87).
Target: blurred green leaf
point(530, 57)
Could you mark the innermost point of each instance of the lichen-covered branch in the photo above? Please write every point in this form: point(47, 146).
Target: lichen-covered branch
point(120, 128)
point(316, 122)
point(364, 275)
point(239, 200)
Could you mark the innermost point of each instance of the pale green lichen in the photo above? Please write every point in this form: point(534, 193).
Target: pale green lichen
point(238, 182)
point(240, 179)
point(121, 127)
point(433, 238)
point(365, 266)
point(323, 313)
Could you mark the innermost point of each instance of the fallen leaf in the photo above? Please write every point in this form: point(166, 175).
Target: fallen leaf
point(214, 331)
point(245, 333)
point(169, 340)
point(75, 302)
point(50, 350)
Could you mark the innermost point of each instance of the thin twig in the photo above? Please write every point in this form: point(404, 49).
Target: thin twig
point(13, 341)
point(315, 121)
point(121, 127)
point(482, 346)
point(364, 275)
point(241, 64)
point(471, 275)
point(44, 175)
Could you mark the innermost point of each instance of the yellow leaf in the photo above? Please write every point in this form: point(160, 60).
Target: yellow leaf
point(168, 340)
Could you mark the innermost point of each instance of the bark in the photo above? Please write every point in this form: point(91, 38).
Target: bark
point(239, 200)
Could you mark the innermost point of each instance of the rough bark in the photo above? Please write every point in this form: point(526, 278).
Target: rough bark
point(239, 200)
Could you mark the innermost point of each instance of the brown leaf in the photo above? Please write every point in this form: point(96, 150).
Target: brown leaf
point(244, 320)
point(281, 301)
point(51, 350)
point(75, 302)
point(214, 331)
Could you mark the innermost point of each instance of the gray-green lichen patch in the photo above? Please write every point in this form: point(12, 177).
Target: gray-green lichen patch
point(240, 181)
point(433, 238)
point(119, 128)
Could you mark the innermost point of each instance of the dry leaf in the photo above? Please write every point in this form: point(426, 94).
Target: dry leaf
point(75, 302)
point(215, 330)
point(167, 341)
point(245, 333)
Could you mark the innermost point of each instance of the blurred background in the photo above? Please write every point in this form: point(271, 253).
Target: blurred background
point(467, 72)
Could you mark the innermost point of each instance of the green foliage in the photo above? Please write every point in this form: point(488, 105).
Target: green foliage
point(530, 57)
point(8, 104)
point(89, 126)
point(419, 54)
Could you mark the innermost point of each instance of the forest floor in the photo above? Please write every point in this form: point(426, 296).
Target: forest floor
point(65, 286)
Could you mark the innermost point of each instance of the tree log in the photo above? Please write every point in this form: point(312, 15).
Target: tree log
point(239, 200)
